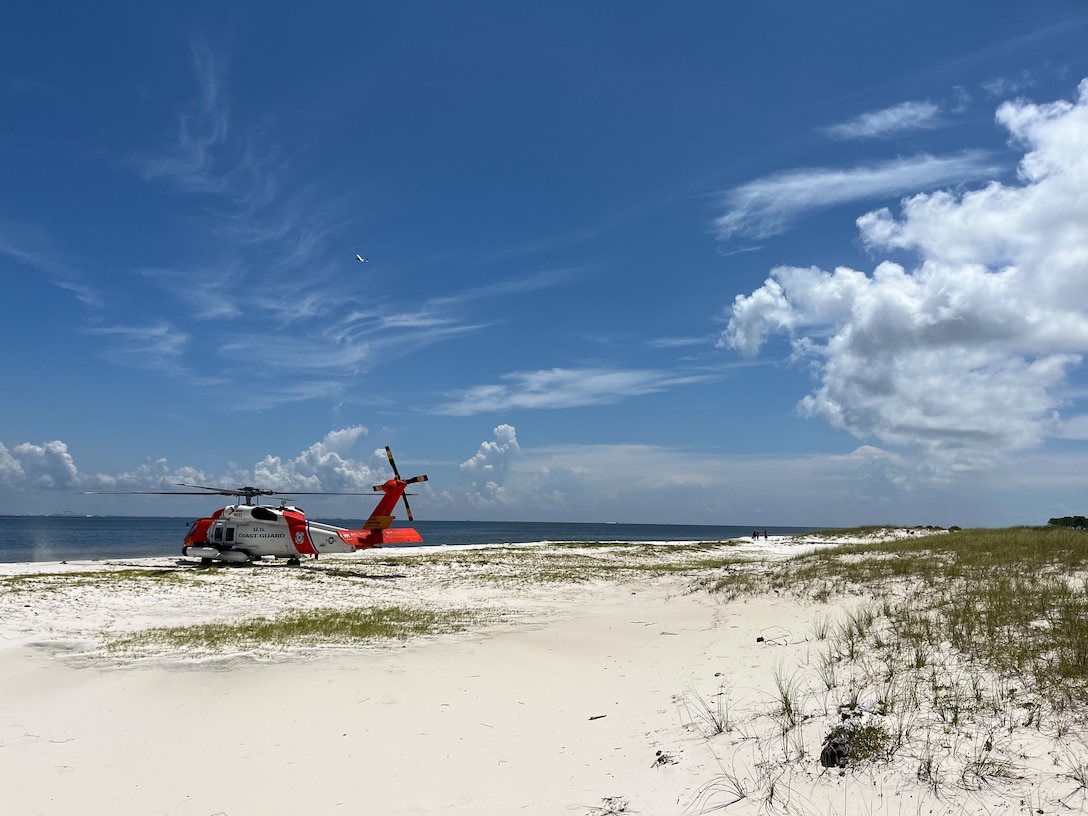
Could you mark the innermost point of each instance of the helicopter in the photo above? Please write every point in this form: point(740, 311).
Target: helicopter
point(247, 532)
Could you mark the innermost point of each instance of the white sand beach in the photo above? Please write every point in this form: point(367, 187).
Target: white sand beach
point(619, 693)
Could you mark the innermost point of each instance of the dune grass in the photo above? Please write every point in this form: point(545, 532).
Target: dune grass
point(1013, 602)
point(956, 661)
point(303, 628)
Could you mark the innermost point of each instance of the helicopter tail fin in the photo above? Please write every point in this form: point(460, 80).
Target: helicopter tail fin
point(377, 529)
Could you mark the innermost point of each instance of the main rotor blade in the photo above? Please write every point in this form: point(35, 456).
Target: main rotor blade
point(246, 490)
point(142, 493)
point(258, 491)
point(407, 506)
point(320, 493)
point(224, 491)
point(203, 487)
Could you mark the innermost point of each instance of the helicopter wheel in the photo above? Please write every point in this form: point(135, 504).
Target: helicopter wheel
point(206, 562)
point(293, 562)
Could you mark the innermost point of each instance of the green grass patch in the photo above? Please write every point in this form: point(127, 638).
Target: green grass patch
point(304, 628)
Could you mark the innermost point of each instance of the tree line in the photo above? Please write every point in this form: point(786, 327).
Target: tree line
point(1076, 522)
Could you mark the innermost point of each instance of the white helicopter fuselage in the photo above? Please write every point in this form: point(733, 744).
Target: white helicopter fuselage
point(243, 532)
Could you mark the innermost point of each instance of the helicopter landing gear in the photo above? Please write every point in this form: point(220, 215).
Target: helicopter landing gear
point(293, 562)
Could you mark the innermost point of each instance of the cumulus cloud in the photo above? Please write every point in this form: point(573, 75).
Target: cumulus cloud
point(483, 475)
point(878, 124)
point(565, 388)
point(46, 465)
point(964, 356)
point(324, 466)
point(11, 470)
point(768, 206)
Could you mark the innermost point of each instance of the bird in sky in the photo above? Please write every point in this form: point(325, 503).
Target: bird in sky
point(361, 259)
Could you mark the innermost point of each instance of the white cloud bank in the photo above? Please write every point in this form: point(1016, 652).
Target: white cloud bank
point(964, 357)
point(324, 466)
point(505, 480)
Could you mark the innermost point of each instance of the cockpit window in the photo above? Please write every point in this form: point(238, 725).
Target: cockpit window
point(264, 514)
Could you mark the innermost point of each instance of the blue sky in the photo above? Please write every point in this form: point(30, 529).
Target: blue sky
point(722, 263)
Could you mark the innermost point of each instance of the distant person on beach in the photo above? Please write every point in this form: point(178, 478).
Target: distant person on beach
point(764, 535)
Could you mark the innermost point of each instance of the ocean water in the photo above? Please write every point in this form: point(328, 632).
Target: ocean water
point(72, 538)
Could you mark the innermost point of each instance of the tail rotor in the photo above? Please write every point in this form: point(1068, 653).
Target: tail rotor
point(396, 474)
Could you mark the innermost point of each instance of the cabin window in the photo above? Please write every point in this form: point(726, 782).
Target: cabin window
point(230, 534)
point(264, 514)
point(218, 533)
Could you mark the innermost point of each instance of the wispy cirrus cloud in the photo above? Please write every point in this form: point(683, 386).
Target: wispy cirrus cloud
point(190, 163)
point(31, 246)
point(681, 342)
point(881, 123)
point(565, 388)
point(322, 321)
point(155, 347)
point(279, 392)
point(512, 285)
point(768, 206)
point(349, 346)
point(207, 155)
point(210, 157)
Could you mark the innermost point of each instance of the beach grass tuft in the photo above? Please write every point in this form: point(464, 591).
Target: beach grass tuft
point(708, 717)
